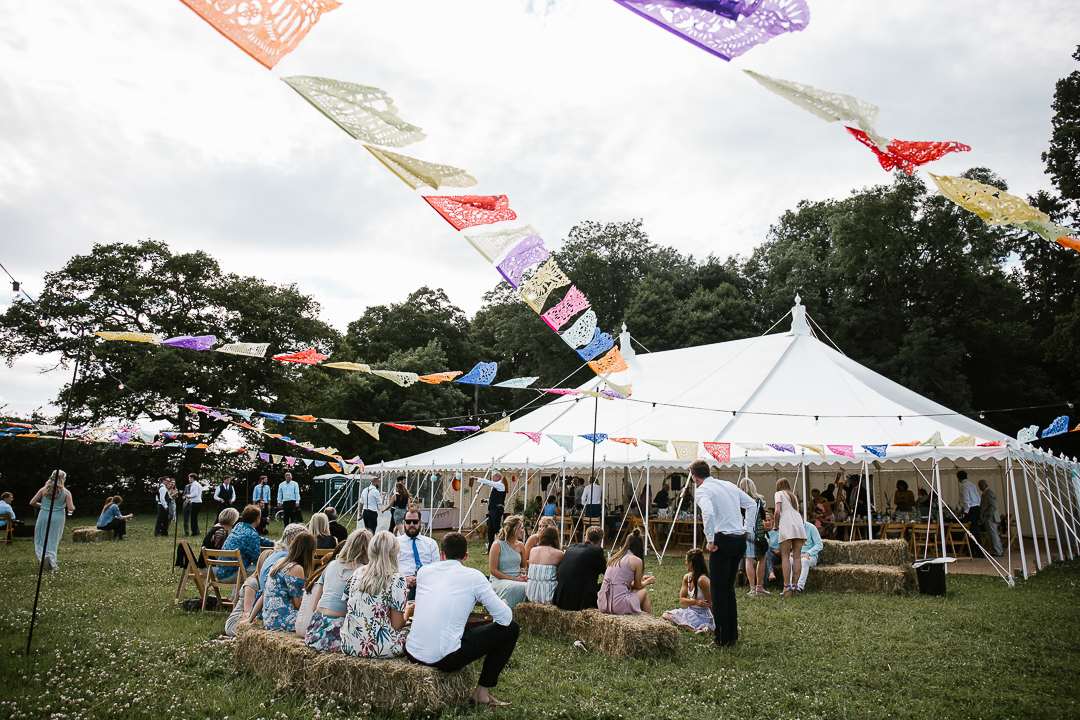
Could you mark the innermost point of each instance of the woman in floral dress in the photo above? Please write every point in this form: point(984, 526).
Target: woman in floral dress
point(377, 609)
point(285, 584)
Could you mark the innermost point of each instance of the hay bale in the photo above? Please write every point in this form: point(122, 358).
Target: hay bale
point(884, 579)
point(623, 636)
point(395, 685)
point(91, 534)
point(865, 552)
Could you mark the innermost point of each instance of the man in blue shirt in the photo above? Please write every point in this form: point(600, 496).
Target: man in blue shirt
point(6, 510)
point(261, 499)
point(810, 550)
point(288, 499)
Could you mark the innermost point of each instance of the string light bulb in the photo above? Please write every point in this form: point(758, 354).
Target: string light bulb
point(14, 291)
point(900, 418)
point(120, 386)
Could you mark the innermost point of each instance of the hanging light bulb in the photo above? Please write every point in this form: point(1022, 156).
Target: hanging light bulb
point(900, 418)
point(14, 291)
point(982, 416)
point(120, 386)
point(815, 419)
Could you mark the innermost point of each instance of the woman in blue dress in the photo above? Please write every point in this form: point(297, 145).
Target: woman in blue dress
point(285, 585)
point(54, 502)
point(508, 575)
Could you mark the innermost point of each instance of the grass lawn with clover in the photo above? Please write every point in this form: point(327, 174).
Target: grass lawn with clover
point(110, 644)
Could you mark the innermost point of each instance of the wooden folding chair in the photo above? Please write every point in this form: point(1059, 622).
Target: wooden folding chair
point(892, 531)
point(956, 536)
point(9, 529)
point(320, 555)
point(924, 537)
point(218, 559)
point(190, 572)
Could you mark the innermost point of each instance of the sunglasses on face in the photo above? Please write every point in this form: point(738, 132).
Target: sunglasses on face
point(410, 522)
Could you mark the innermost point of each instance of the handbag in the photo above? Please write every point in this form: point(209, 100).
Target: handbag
point(761, 538)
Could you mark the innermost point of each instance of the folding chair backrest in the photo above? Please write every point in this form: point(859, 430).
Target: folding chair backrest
point(189, 572)
point(216, 560)
point(320, 554)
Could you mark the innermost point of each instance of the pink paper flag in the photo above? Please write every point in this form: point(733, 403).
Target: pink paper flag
point(534, 436)
point(464, 211)
point(847, 450)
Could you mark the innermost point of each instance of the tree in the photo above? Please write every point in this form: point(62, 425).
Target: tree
point(146, 288)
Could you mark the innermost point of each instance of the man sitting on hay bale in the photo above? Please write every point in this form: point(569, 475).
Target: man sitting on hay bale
point(445, 595)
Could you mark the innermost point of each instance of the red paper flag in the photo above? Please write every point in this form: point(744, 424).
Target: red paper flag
point(267, 31)
point(406, 428)
point(720, 451)
point(908, 155)
point(307, 357)
point(464, 211)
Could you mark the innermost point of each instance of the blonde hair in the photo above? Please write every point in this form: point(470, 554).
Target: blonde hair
point(783, 486)
point(354, 551)
point(56, 480)
point(319, 524)
point(381, 567)
point(228, 517)
point(510, 527)
point(546, 521)
point(287, 535)
point(747, 486)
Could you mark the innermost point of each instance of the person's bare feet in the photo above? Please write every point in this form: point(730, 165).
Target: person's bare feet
point(481, 696)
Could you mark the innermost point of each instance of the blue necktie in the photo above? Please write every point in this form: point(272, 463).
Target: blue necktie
point(416, 556)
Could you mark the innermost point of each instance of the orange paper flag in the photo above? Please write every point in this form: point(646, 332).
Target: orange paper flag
point(267, 31)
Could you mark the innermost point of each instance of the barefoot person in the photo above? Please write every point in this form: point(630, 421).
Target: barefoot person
point(696, 611)
point(445, 594)
point(728, 530)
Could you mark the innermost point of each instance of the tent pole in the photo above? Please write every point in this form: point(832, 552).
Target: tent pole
point(1061, 526)
point(940, 506)
point(1042, 507)
point(1065, 527)
point(562, 494)
point(1031, 516)
point(645, 510)
point(1071, 493)
point(869, 501)
point(461, 493)
point(431, 503)
point(802, 474)
point(527, 491)
point(603, 494)
point(1050, 499)
point(1066, 505)
point(1015, 515)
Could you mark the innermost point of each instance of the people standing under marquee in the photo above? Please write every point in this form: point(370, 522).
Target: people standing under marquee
point(496, 501)
point(193, 493)
point(970, 502)
point(789, 523)
point(225, 494)
point(758, 544)
point(592, 497)
point(728, 529)
point(988, 516)
point(371, 503)
point(288, 499)
point(260, 498)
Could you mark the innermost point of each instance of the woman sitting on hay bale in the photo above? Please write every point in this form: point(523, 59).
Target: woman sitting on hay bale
point(623, 590)
point(324, 630)
point(505, 562)
point(545, 521)
point(111, 519)
point(544, 563)
point(695, 596)
point(285, 585)
point(377, 608)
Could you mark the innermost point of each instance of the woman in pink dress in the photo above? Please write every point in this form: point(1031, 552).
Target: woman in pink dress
point(623, 590)
point(789, 524)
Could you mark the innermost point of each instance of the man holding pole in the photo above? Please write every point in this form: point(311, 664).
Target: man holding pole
point(727, 531)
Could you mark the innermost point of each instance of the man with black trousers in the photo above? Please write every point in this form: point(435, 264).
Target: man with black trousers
point(581, 565)
point(371, 504)
point(729, 516)
point(161, 529)
point(445, 595)
point(496, 500)
point(225, 494)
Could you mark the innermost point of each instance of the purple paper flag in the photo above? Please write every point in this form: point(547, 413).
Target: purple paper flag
point(724, 28)
point(528, 252)
point(199, 342)
point(783, 448)
point(466, 428)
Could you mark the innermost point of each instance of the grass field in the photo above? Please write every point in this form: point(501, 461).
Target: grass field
point(109, 644)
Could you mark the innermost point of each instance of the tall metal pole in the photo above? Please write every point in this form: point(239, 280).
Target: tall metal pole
point(869, 501)
point(1015, 515)
point(1031, 516)
point(52, 499)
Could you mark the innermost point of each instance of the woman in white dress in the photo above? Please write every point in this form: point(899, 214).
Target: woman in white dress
point(544, 562)
point(792, 532)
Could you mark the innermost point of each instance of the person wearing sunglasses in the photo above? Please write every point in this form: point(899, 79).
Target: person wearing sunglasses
point(414, 550)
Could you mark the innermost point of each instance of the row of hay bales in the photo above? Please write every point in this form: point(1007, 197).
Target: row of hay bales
point(866, 566)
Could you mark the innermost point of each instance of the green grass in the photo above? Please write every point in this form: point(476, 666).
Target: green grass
point(109, 644)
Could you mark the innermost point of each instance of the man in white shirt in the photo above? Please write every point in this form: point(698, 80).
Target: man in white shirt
point(496, 500)
point(722, 505)
point(414, 550)
point(970, 502)
point(192, 504)
point(161, 529)
point(592, 497)
point(445, 594)
point(371, 504)
point(288, 499)
point(225, 494)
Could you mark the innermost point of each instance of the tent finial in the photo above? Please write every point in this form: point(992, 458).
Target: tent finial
point(799, 325)
point(625, 347)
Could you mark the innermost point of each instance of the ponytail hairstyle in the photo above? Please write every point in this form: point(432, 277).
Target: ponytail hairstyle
point(747, 486)
point(634, 544)
point(108, 501)
point(696, 559)
point(783, 486)
point(509, 528)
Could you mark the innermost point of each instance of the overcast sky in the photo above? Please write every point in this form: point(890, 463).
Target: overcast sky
point(122, 120)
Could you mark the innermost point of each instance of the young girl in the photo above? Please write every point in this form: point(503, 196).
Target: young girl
point(792, 532)
point(285, 585)
point(623, 590)
point(696, 611)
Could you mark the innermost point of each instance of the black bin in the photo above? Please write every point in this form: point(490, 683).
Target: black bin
point(931, 576)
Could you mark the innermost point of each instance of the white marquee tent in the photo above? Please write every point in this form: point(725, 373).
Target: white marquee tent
point(785, 390)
